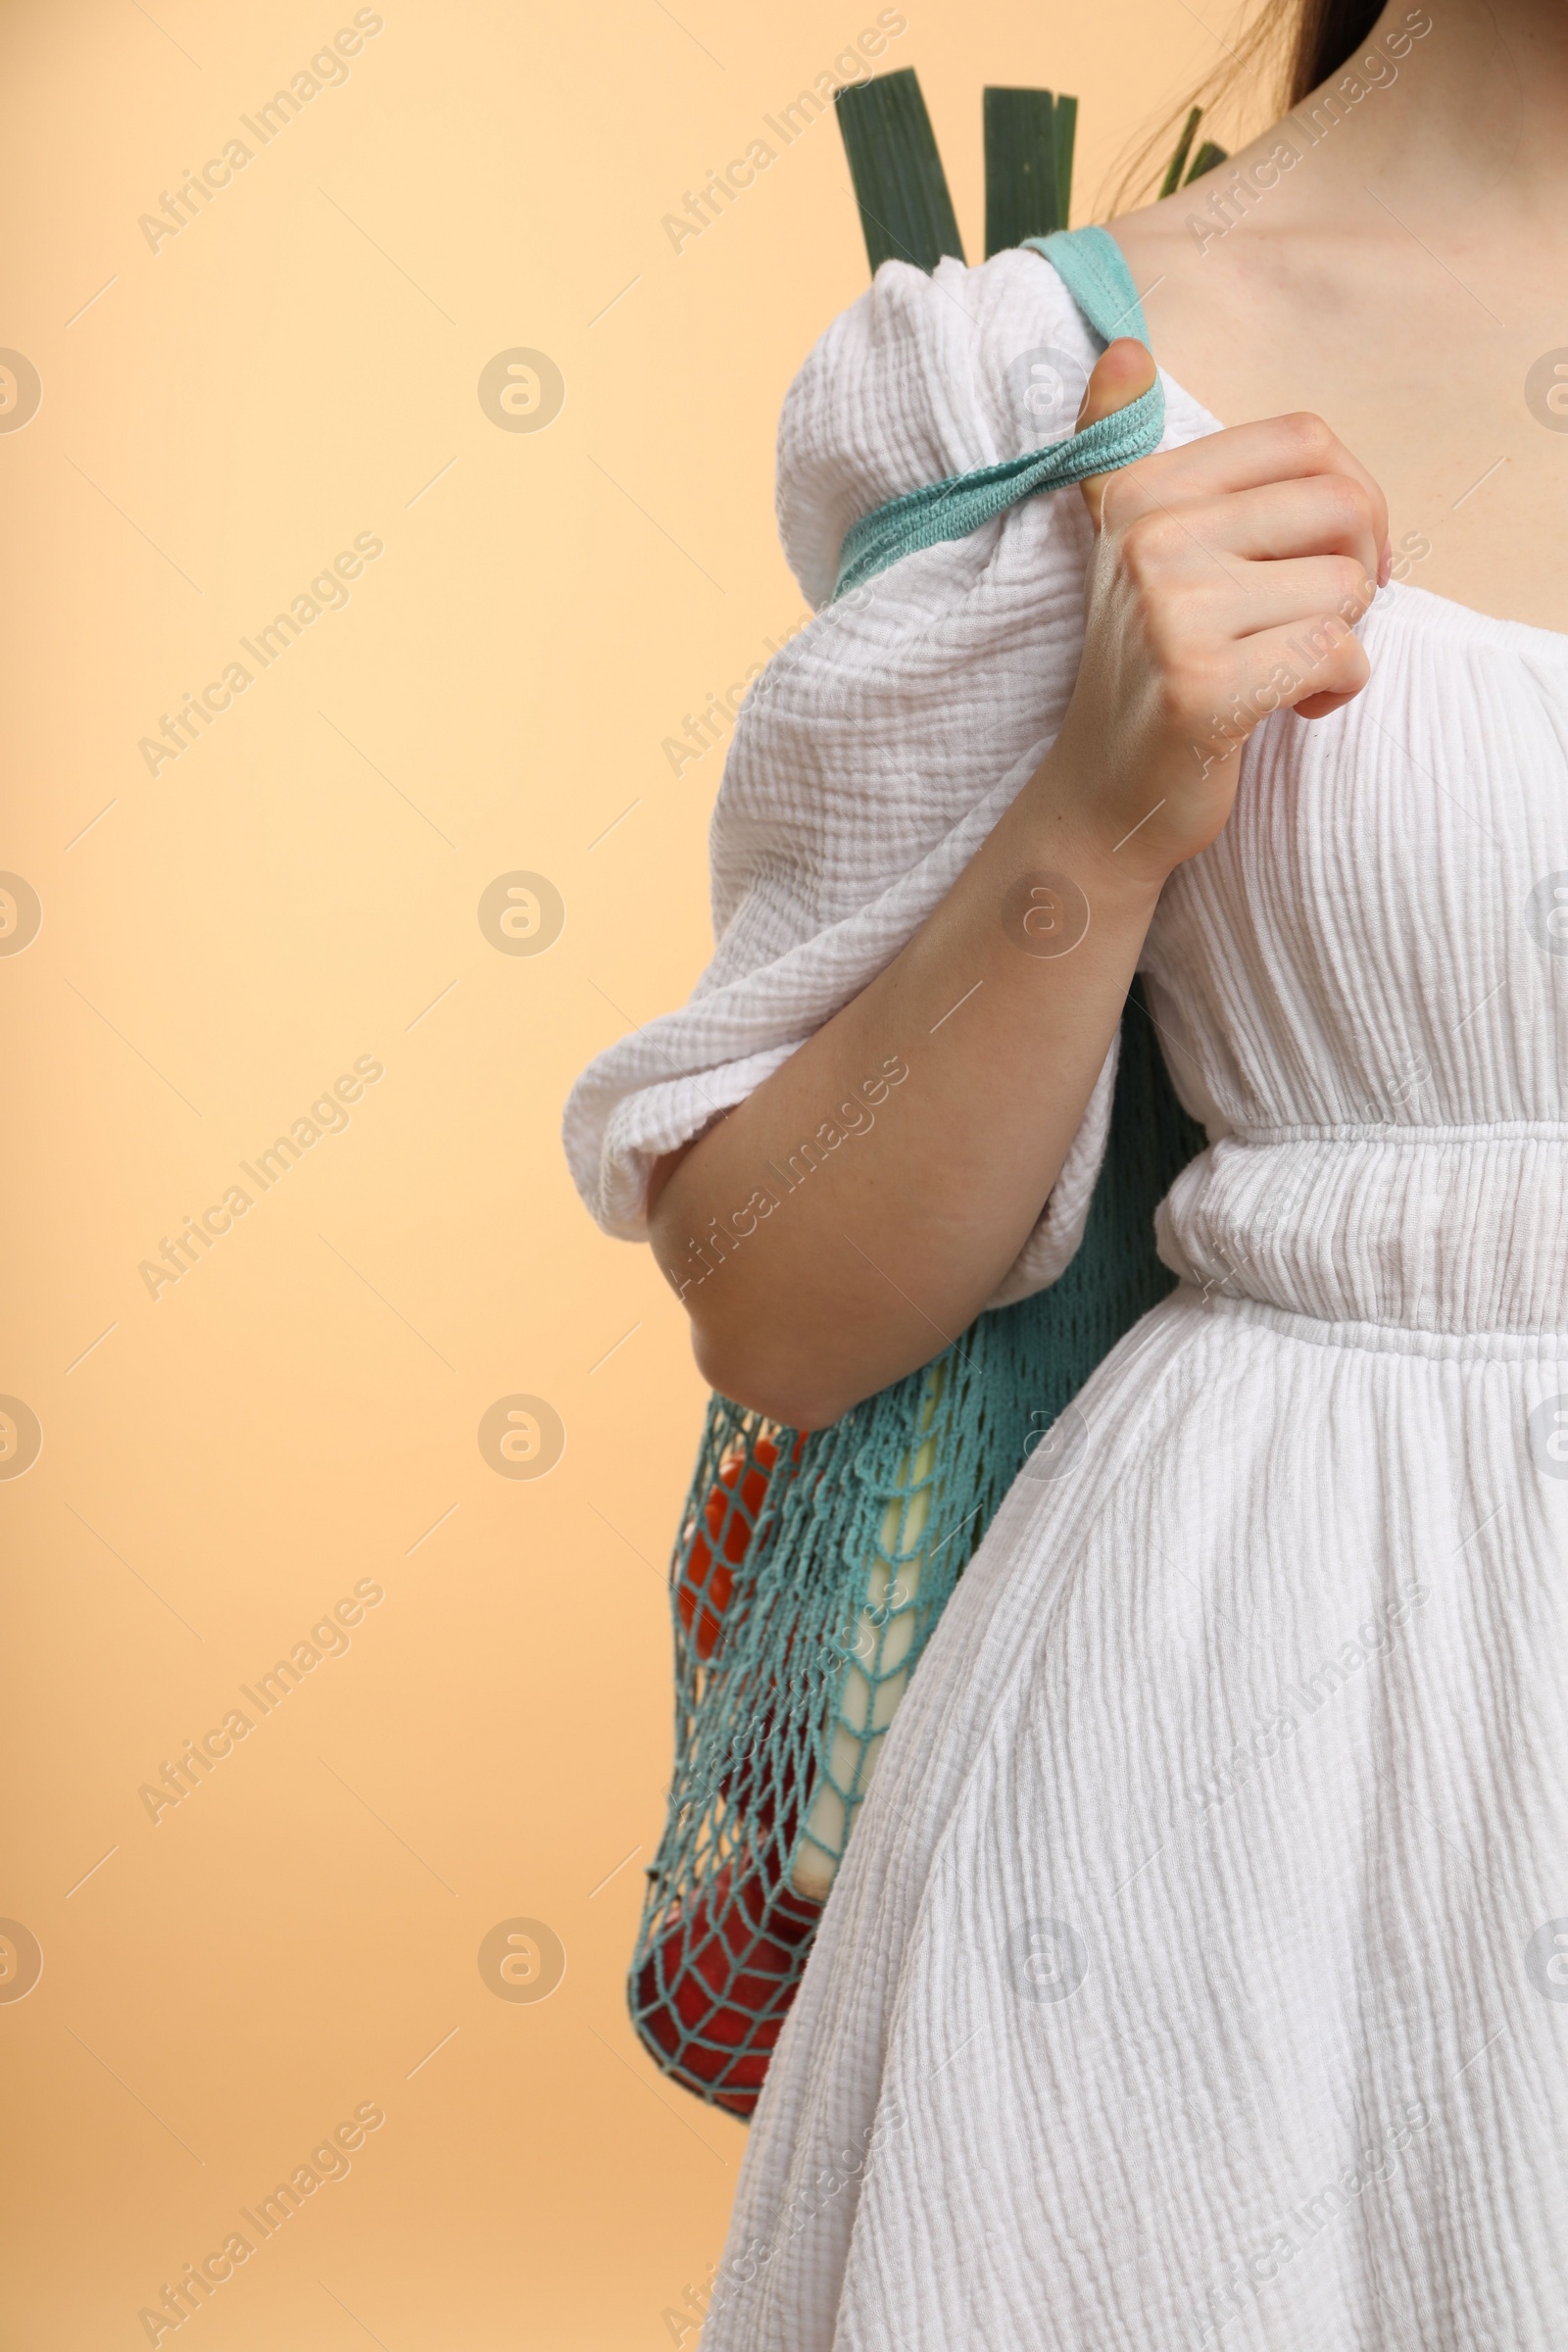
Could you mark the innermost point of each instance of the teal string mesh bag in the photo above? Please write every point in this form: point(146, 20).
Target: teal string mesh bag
point(807, 1574)
point(811, 1569)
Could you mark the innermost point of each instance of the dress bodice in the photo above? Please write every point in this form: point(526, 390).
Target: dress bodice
point(1363, 988)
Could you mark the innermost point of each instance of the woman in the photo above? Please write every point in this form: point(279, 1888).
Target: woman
point(1197, 1972)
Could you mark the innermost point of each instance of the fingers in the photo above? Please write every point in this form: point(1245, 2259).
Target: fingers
point(1279, 596)
point(1242, 458)
point(1224, 599)
point(1122, 373)
point(1241, 561)
point(1311, 667)
point(1229, 568)
point(1318, 515)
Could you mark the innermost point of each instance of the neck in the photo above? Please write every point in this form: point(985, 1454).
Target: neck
point(1470, 122)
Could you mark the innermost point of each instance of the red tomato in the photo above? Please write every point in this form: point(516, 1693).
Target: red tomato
point(714, 1991)
point(730, 1517)
point(722, 1974)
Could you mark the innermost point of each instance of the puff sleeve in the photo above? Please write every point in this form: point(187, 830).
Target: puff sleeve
point(881, 746)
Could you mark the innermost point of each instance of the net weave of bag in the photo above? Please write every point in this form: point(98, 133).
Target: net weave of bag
point(807, 1574)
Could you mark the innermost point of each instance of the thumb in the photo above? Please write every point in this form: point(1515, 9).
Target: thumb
point(1123, 372)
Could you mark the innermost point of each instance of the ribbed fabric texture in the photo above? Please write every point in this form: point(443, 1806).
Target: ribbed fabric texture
point(1198, 1972)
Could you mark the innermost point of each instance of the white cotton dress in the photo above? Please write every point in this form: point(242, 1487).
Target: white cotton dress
point(1197, 1972)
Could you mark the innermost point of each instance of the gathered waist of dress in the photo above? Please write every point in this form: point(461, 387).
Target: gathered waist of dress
point(1446, 1230)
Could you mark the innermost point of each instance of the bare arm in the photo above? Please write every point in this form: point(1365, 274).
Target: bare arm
point(958, 1077)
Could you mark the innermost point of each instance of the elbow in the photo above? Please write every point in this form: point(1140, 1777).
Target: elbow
point(751, 1349)
point(794, 1395)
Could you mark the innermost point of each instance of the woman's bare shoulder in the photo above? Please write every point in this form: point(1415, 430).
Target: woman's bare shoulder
point(1169, 242)
point(1229, 268)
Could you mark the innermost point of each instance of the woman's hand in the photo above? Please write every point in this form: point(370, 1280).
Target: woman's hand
point(1223, 585)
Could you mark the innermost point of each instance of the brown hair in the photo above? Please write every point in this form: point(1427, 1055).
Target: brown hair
point(1305, 42)
point(1328, 32)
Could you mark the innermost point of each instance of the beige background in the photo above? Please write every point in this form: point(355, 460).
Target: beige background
point(219, 942)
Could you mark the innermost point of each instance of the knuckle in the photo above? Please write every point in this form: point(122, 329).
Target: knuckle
point(1170, 645)
point(1149, 543)
point(1189, 690)
point(1307, 434)
point(1323, 636)
point(1348, 502)
point(1339, 659)
point(1350, 577)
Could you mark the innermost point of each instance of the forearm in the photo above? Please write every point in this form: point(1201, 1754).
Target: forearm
point(816, 1270)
